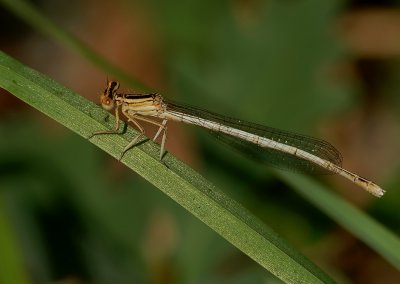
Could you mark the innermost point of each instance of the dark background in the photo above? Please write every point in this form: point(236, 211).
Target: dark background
point(329, 69)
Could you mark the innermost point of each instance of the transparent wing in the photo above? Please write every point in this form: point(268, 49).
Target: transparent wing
point(272, 157)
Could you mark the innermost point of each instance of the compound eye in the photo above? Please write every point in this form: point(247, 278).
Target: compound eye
point(107, 103)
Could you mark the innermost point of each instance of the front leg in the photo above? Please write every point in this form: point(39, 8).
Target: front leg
point(115, 131)
point(131, 117)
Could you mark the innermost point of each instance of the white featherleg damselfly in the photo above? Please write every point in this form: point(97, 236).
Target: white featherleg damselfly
point(276, 147)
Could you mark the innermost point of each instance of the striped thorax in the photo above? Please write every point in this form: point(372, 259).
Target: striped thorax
point(140, 104)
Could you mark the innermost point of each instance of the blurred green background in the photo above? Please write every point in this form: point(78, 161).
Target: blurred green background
point(71, 214)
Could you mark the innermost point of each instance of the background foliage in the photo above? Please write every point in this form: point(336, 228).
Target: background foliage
point(73, 214)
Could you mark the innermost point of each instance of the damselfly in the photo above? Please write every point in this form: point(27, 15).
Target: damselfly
point(275, 147)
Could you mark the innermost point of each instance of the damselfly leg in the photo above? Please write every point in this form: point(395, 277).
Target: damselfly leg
point(133, 117)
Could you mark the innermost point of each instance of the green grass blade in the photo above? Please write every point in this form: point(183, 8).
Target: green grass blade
point(357, 222)
point(177, 180)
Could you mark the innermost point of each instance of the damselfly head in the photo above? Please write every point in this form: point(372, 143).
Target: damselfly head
point(107, 97)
